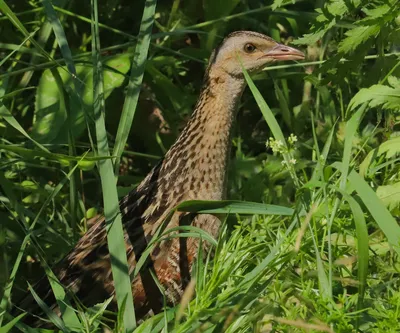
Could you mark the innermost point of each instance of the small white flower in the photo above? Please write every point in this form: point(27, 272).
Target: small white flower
point(292, 138)
point(283, 162)
point(293, 161)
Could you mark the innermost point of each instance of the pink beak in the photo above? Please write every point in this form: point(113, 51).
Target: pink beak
point(283, 52)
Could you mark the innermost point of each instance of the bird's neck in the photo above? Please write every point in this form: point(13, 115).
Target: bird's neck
point(197, 163)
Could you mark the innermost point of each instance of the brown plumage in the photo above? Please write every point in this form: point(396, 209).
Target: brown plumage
point(193, 168)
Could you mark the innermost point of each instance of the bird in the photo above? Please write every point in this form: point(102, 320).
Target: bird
point(194, 168)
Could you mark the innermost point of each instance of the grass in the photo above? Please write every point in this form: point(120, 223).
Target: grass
point(310, 240)
point(115, 232)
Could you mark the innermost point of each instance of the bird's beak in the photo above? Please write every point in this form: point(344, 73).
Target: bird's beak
point(283, 52)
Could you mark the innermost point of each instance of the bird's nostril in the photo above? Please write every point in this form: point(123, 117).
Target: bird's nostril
point(284, 50)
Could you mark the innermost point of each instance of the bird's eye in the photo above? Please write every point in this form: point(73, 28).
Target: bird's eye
point(249, 48)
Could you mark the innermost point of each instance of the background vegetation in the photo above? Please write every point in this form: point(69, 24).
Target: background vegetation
point(329, 265)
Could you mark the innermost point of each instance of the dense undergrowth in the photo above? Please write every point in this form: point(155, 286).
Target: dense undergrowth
point(325, 148)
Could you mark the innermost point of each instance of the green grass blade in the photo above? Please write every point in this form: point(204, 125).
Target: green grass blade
point(68, 315)
point(15, 48)
point(18, 24)
point(233, 207)
point(350, 131)
point(10, 119)
point(195, 231)
point(284, 106)
point(265, 110)
point(77, 84)
point(60, 37)
point(272, 124)
point(379, 212)
point(254, 275)
point(42, 38)
point(214, 207)
point(7, 187)
point(135, 81)
point(15, 93)
point(57, 321)
point(317, 173)
point(115, 233)
point(323, 281)
point(7, 327)
point(63, 159)
point(362, 244)
point(14, 20)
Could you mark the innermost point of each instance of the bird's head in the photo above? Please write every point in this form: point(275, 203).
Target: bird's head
point(253, 50)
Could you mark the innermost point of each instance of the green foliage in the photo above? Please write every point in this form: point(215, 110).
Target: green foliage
point(7, 327)
point(50, 123)
point(382, 16)
point(387, 150)
point(379, 95)
point(311, 237)
point(390, 196)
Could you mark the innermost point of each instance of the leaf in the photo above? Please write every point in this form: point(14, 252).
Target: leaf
point(337, 7)
point(50, 115)
point(378, 95)
point(357, 36)
point(114, 72)
point(376, 12)
point(277, 4)
point(312, 38)
point(390, 195)
point(394, 81)
point(390, 148)
point(97, 311)
point(328, 18)
point(280, 3)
